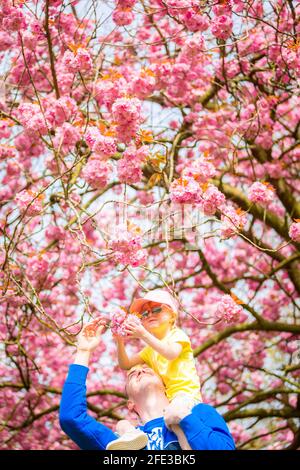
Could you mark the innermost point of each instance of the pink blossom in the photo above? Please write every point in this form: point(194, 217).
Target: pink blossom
point(185, 190)
point(233, 220)
point(37, 267)
point(97, 173)
point(123, 17)
point(106, 92)
point(6, 41)
point(126, 3)
point(143, 85)
point(200, 169)
point(53, 232)
point(119, 320)
point(138, 258)
point(125, 133)
point(127, 114)
point(126, 111)
point(79, 61)
point(13, 168)
point(129, 171)
point(6, 152)
point(228, 310)
point(65, 80)
point(265, 140)
point(193, 46)
point(116, 324)
point(29, 40)
point(126, 246)
point(261, 193)
point(91, 135)
point(211, 200)
point(294, 231)
point(84, 60)
point(5, 131)
point(59, 111)
point(195, 22)
point(14, 21)
point(66, 137)
point(32, 118)
point(274, 169)
point(27, 144)
point(129, 167)
point(29, 202)
point(222, 27)
point(104, 146)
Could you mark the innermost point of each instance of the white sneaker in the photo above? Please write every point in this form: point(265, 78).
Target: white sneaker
point(131, 440)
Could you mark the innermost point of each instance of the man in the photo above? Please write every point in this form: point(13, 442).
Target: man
point(203, 427)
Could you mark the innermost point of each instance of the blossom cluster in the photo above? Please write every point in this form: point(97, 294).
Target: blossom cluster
point(222, 26)
point(228, 310)
point(126, 112)
point(129, 167)
point(187, 190)
point(97, 173)
point(66, 137)
point(57, 111)
point(233, 220)
point(200, 169)
point(261, 193)
point(126, 246)
point(102, 145)
point(53, 232)
point(123, 14)
point(32, 118)
point(30, 202)
point(78, 61)
point(294, 231)
point(13, 19)
point(211, 199)
point(37, 267)
point(143, 84)
point(118, 322)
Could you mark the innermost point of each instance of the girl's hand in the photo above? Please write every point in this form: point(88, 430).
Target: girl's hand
point(90, 336)
point(118, 338)
point(134, 330)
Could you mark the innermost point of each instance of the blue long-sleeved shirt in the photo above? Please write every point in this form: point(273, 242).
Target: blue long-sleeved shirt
point(204, 428)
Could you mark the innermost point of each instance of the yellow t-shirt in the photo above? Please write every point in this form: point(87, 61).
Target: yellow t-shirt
point(178, 375)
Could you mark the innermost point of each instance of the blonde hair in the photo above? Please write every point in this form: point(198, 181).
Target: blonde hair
point(174, 314)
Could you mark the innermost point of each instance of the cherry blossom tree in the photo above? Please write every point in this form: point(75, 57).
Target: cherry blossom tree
point(146, 144)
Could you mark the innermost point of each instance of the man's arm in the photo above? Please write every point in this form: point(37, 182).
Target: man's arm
point(84, 430)
point(206, 434)
point(203, 427)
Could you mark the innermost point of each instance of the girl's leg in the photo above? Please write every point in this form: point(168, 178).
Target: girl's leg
point(181, 437)
point(131, 438)
point(180, 406)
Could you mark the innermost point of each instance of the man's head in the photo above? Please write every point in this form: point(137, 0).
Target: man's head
point(142, 383)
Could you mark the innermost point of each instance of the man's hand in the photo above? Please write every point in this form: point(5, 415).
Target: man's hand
point(90, 336)
point(178, 409)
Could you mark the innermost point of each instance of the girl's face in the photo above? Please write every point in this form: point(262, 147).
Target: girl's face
point(157, 317)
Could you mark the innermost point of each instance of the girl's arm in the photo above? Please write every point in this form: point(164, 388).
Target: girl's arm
point(124, 361)
point(169, 350)
point(166, 349)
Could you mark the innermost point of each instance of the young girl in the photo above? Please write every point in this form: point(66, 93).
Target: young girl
point(168, 353)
